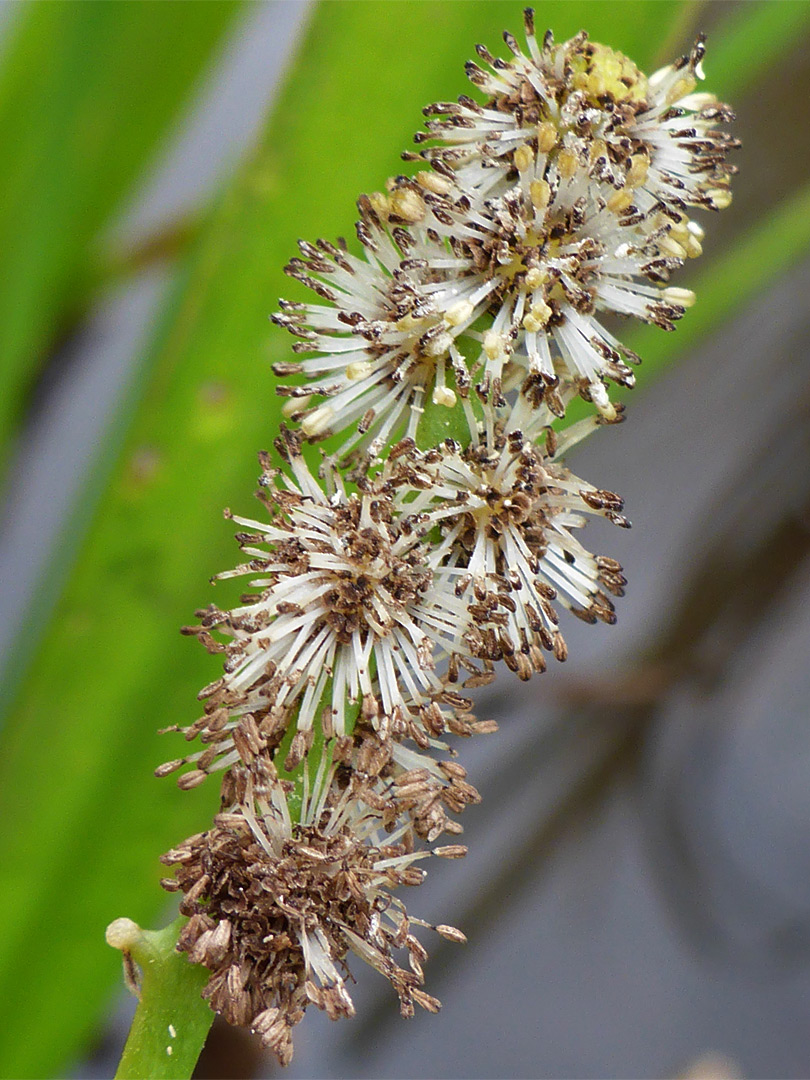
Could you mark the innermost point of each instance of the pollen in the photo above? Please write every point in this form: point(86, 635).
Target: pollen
point(358, 369)
point(317, 422)
point(443, 395)
point(683, 297)
point(523, 158)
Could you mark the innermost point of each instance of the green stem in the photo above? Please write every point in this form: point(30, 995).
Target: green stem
point(440, 422)
point(320, 748)
point(172, 1020)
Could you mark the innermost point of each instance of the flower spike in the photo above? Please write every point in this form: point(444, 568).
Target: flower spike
point(442, 538)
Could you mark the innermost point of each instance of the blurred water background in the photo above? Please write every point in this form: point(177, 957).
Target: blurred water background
point(637, 892)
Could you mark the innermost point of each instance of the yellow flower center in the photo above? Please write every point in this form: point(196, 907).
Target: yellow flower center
point(599, 70)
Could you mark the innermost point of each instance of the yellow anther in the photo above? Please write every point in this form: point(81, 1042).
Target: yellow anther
point(546, 137)
point(295, 404)
point(380, 204)
point(604, 71)
point(720, 197)
point(683, 86)
point(540, 194)
point(358, 369)
point(438, 345)
point(696, 230)
point(431, 181)
point(682, 297)
point(596, 85)
point(408, 205)
point(637, 173)
point(494, 345)
point(599, 396)
point(537, 317)
point(535, 278)
point(523, 158)
point(317, 423)
point(619, 201)
point(672, 247)
point(566, 164)
point(458, 313)
point(443, 395)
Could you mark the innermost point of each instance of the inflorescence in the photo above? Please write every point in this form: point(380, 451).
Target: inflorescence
point(400, 577)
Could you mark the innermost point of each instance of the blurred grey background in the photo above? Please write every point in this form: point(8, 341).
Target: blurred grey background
point(637, 892)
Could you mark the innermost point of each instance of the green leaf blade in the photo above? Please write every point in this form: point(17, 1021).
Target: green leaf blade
point(87, 92)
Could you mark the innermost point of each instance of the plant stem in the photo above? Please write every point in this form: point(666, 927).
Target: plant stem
point(320, 748)
point(440, 422)
point(172, 1020)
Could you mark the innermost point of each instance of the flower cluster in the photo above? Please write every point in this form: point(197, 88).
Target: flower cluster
point(275, 906)
point(400, 577)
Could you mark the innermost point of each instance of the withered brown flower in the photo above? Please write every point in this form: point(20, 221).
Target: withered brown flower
point(275, 907)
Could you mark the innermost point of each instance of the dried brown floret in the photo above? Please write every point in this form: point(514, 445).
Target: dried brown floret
point(275, 908)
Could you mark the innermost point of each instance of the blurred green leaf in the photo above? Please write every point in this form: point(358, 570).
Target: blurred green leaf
point(750, 39)
point(87, 92)
point(83, 821)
